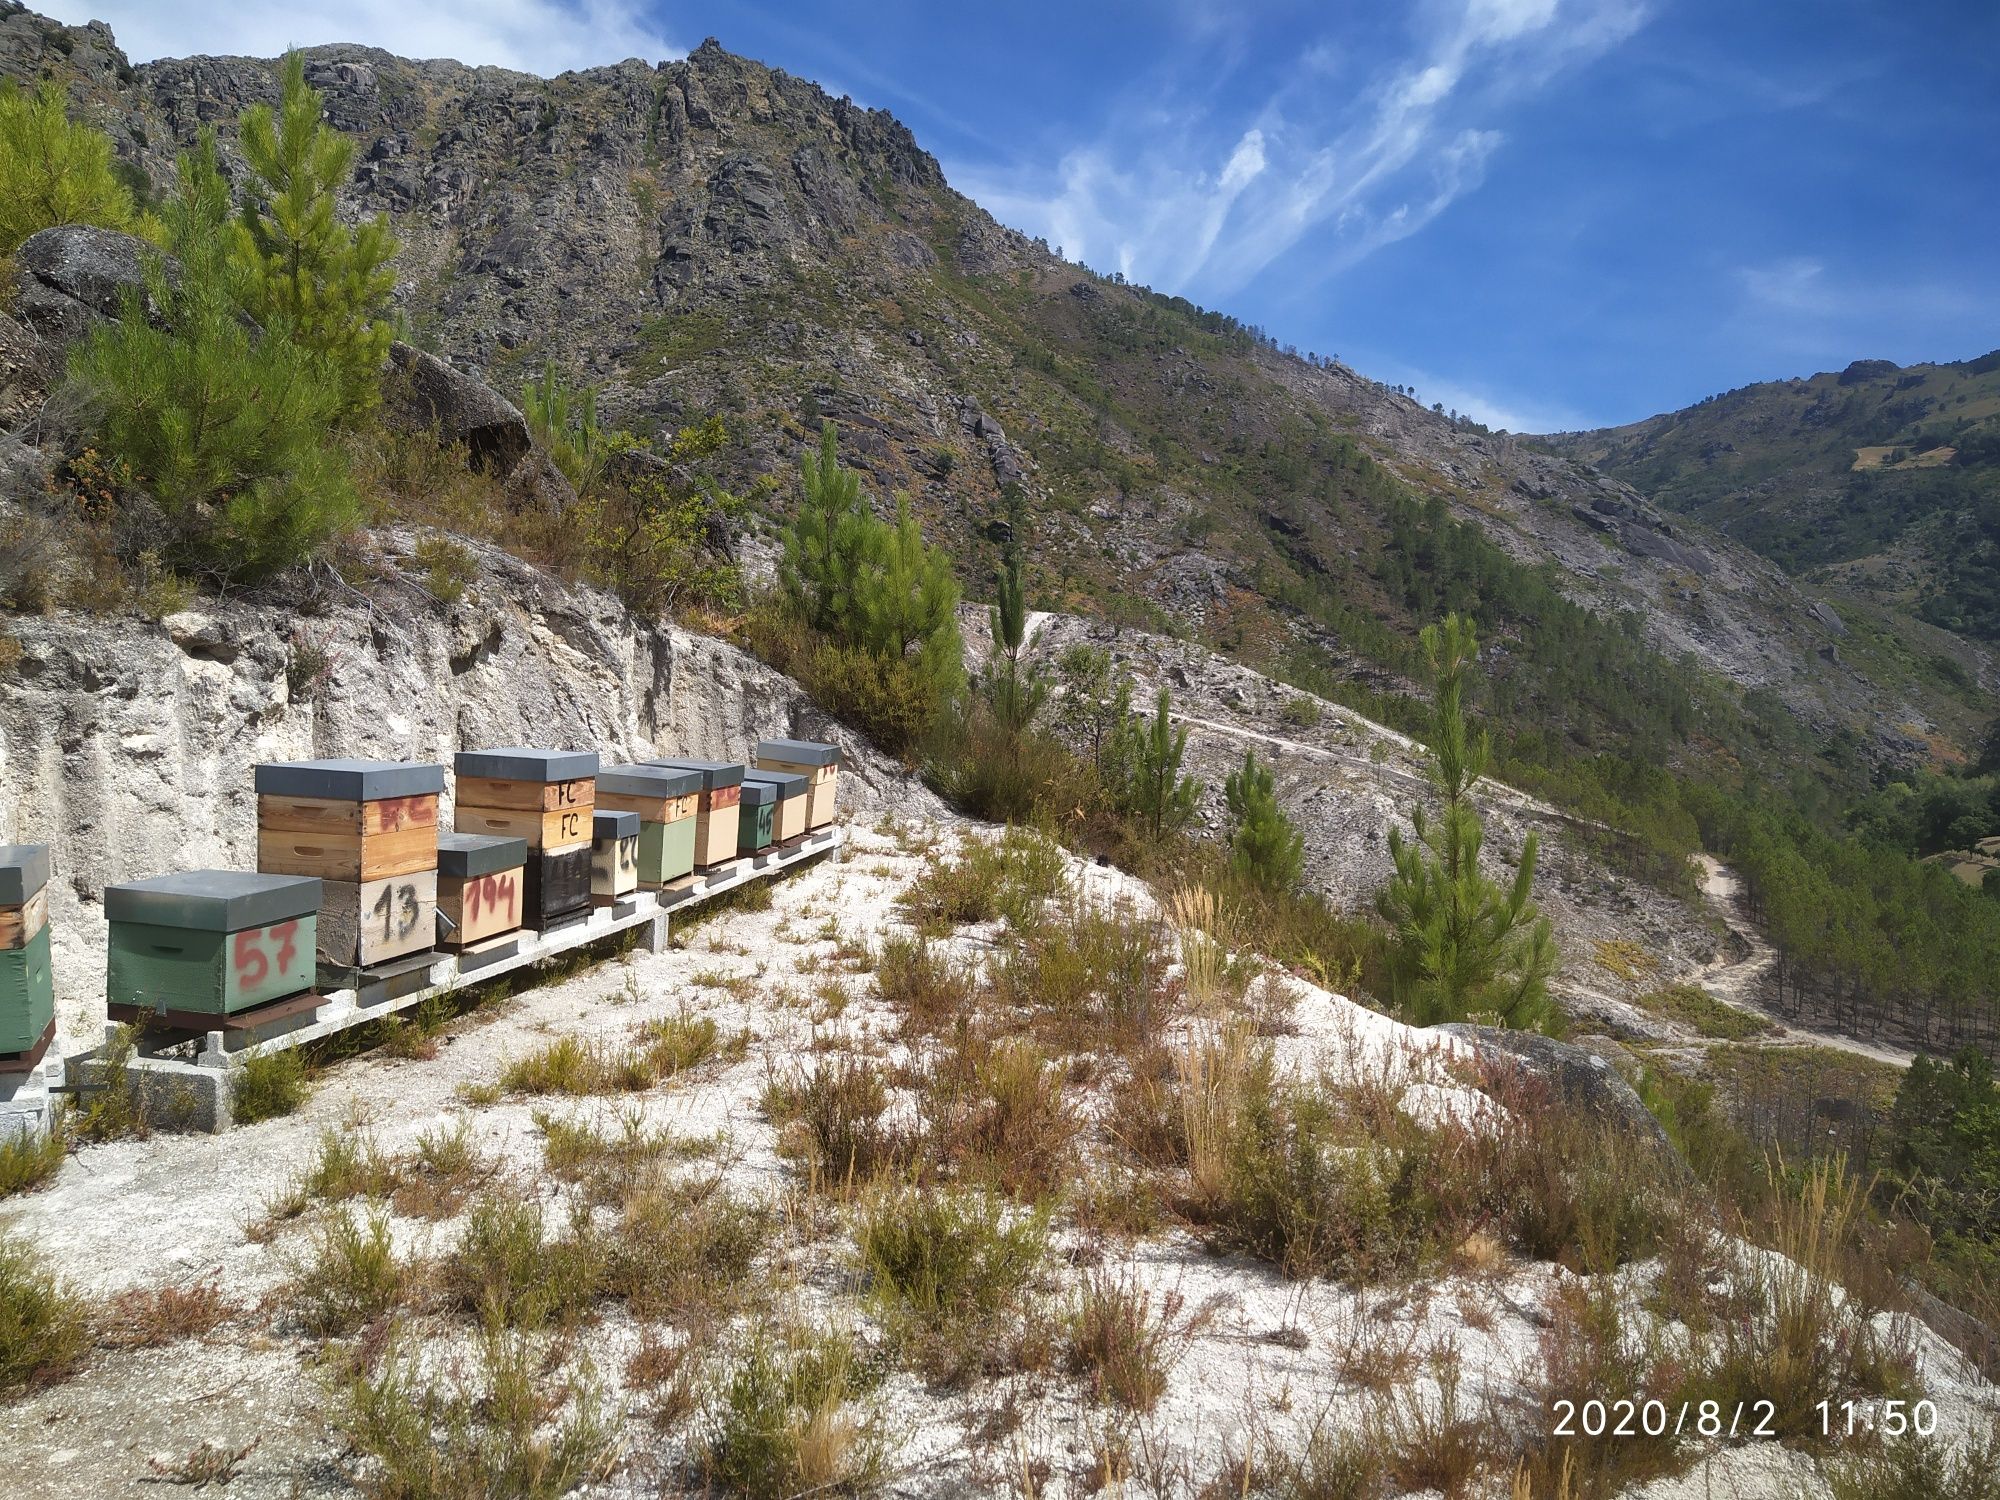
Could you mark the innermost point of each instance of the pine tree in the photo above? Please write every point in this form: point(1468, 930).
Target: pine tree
point(53, 171)
point(1147, 760)
point(1464, 946)
point(225, 426)
point(831, 542)
point(563, 418)
point(328, 283)
point(1265, 848)
point(907, 605)
point(1016, 697)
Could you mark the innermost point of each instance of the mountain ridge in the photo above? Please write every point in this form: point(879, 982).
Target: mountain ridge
point(714, 236)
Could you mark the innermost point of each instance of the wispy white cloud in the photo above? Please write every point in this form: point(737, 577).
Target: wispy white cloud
point(1175, 197)
point(1801, 306)
point(545, 37)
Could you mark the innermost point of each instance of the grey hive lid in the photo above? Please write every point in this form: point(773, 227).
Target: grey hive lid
point(790, 784)
point(798, 752)
point(469, 854)
point(714, 773)
point(517, 763)
point(348, 780)
point(613, 825)
point(759, 793)
point(24, 869)
point(648, 781)
point(213, 900)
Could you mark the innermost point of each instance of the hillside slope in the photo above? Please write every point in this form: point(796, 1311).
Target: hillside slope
point(1879, 481)
point(712, 235)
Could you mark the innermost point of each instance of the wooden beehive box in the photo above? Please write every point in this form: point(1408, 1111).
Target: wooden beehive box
point(210, 942)
point(717, 815)
point(368, 830)
point(27, 979)
point(788, 820)
point(482, 882)
point(614, 856)
point(756, 820)
point(546, 797)
point(668, 802)
point(818, 763)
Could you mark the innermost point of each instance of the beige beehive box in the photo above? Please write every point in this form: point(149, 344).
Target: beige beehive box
point(818, 763)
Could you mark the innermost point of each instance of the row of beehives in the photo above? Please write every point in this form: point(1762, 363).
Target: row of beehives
point(353, 872)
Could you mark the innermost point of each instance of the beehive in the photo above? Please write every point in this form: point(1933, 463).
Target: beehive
point(614, 856)
point(668, 802)
point(367, 829)
point(27, 983)
point(716, 818)
point(546, 797)
point(481, 885)
point(212, 942)
point(818, 763)
point(755, 820)
point(788, 821)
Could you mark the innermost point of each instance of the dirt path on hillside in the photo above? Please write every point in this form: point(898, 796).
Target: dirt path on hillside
point(1737, 973)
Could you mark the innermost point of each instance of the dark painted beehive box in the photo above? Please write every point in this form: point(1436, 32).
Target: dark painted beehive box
point(614, 856)
point(27, 978)
point(480, 886)
point(368, 830)
point(755, 822)
point(210, 941)
point(715, 824)
point(788, 821)
point(818, 763)
point(668, 802)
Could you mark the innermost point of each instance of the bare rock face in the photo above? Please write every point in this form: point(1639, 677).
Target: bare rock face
point(1575, 1080)
point(75, 276)
point(128, 745)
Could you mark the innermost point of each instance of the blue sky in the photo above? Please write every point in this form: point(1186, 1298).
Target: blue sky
point(1548, 213)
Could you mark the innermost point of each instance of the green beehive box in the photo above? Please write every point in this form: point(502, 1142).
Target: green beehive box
point(760, 809)
point(666, 851)
point(27, 993)
point(667, 801)
point(211, 941)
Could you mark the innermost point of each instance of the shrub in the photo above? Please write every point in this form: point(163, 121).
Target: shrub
point(447, 567)
point(1121, 1343)
point(29, 1160)
point(44, 1325)
point(146, 1318)
point(269, 1084)
point(834, 1120)
point(787, 1422)
point(998, 1114)
point(684, 1252)
point(947, 1271)
point(506, 1271)
point(526, 1427)
point(659, 540)
point(922, 984)
point(1921, 1468)
point(1096, 975)
point(54, 172)
point(353, 1277)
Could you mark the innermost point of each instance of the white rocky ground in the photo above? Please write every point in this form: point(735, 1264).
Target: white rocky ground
point(1263, 1358)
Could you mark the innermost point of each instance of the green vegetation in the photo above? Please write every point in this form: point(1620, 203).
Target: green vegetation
point(1264, 848)
point(865, 613)
point(1464, 946)
point(268, 1085)
point(324, 285)
point(29, 1161)
point(44, 1326)
point(225, 427)
point(53, 171)
point(789, 1419)
point(1944, 1166)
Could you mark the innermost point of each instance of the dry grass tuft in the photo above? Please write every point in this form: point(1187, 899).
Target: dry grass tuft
point(146, 1318)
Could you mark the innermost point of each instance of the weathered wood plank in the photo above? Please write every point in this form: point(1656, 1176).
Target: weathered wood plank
point(325, 815)
point(533, 796)
point(555, 829)
point(480, 906)
point(18, 924)
point(370, 922)
point(347, 856)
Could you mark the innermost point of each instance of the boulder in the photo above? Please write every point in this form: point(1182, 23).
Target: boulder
point(74, 276)
point(1576, 1079)
point(28, 368)
point(432, 396)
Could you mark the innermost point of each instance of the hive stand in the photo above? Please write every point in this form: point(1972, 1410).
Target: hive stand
point(199, 1089)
